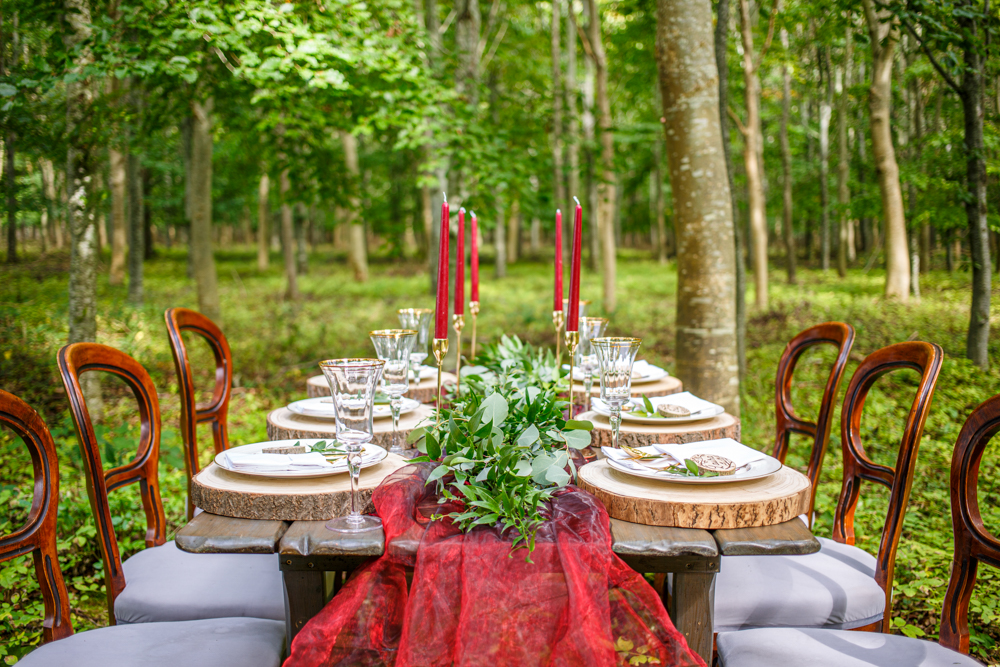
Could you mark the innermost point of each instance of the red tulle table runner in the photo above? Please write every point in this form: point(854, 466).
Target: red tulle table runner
point(474, 602)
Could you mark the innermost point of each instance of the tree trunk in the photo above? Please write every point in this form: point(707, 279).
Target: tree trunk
point(557, 143)
point(301, 252)
point(136, 231)
point(263, 228)
point(514, 231)
point(357, 251)
point(884, 33)
point(606, 190)
point(288, 238)
point(786, 163)
point(202, 257)
point(117, 166)
point(843, 165)
point(658, 213)
point(754, 170)
point(590, 201)
point(706, 306)
point(9, 158)
point(572, 139)
point(47, 169)
point(825, 113)
point(500, 241)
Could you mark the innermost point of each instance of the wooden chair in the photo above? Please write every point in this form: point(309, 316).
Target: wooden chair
point(841, 586)
point(252, 642)
point(216, 412)
point(841, 336)
point(974, 544)
point(160, 583)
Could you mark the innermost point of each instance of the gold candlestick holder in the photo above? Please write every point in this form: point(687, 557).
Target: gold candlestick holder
point(558, 320)
point(458, 323)
point(440, 348)
point(572, 341)
point(474, 309)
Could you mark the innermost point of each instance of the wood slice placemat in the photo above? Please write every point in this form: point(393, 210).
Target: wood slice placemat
point(640, 435)
point(761, 502)
point(283, 424)
point(422, 391)
point(225, 493)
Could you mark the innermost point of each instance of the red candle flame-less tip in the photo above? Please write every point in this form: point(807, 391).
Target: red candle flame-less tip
point(460, 265)
point(441, 311)
point(573, 317)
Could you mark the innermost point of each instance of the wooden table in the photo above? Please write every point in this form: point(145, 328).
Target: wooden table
point(422, 391)
point(283, 424)
point(640, 435)
point(312, 559)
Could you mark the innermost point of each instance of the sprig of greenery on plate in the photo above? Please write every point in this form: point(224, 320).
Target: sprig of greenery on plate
point(647, 409)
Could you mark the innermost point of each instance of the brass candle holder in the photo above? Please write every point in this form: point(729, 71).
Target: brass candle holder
point(458, 323)
point(474, 309)
point(440, 348)
point(572, 341)
point(558, 320)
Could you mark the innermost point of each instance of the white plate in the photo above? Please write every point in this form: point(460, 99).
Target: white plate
point(601, 408)
point(321, 407)
point(372, 455)
point(655, 374)
point(757, 469)
point(426, 372)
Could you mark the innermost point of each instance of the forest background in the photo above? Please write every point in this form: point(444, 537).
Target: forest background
point(216, 154)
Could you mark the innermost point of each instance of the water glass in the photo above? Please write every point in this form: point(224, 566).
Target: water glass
point(419, 320)
point(586, 357)
point(615, 357)
point(352, 384)
point(394, 346)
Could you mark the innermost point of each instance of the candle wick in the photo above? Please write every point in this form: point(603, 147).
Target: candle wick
point(558, 211)
point(445, 195)
point(576, 200)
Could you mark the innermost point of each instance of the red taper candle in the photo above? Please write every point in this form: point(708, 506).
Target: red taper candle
point(441, 306)
point(558, 301)
point(474, 260)
point(573, 317)
point(460, 265)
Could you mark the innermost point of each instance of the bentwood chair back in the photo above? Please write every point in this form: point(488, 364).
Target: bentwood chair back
point(841, 336)
point(38, 534)
point(79, 358)
point(216, 411)
point(925, 359)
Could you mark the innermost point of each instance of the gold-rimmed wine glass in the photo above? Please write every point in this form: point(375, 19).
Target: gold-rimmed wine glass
point(419, 320)
point(615, 356)
point(586, 360)
point(393, 346)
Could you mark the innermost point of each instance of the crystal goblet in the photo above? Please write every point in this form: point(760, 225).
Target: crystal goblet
point(583, 307)
point(393, 346)
point(586, 358)
point(352, 384)
point(615, 357)
point(419, 320)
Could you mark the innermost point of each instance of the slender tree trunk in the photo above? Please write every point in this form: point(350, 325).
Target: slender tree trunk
point(658, 213)
point(606, 189)
point(514, 231)
point(786, 163)
point(357, 250)
point(49, 188)
point(117, 166)
point(263, 218)
point(559, 195)
point(147, 216)
point(500, 241)
point(572, 140)
point(825, 113)
point(753, 168)
point(136, 231)
point(9, 140)
point(590, 201)
point(202, 256)
point(301, 252)
point(706, 338)
point(843, 164)
point(884, 33)
point(288, 238)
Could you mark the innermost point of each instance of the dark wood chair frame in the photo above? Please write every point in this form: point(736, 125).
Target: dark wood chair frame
point(925, 359)
point(216, 412)
point(38, 535)
point(974, 544)
point(79, 358)
point(841, 336)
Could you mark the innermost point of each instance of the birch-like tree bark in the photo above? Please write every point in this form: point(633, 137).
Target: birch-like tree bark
point(606, 186)
point(202, 255)
point(263, 226)
point(288, 238)
point(572, 139)
point(706, 305)
point(884, 34)
point(843, 164)
point(357, 250)
point(825, 114)
point(500, 240)
point(136, 231)
point(786, 162)
point(117, 166)
point(590, 201)
point(557, 100)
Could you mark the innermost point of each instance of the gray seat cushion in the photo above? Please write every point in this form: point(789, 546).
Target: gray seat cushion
point(167, 584)
point(834, 588)
point(218, 642)
point(770, 647)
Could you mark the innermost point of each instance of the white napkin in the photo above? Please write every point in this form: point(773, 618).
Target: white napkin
point(299, 462)
point(622, 457)
point(736, 452)
point(686, 399)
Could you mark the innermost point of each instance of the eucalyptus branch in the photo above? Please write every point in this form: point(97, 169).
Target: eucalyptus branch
point(930, 56)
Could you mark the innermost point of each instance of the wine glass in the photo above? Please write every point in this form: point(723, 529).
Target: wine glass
point(615, 357)
point(583, 307)
point(393, 346)
point(586, 358)
point(352, 384)
point(419, 320)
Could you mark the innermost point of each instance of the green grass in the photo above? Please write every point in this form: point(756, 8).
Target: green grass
point(276, 345)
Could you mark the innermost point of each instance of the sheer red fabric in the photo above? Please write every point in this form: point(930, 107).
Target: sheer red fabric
point(474, 602)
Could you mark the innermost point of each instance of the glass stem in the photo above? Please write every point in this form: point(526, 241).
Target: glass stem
point(588, 384)
point(354, 466)
point(616, 422)
point(395, 405)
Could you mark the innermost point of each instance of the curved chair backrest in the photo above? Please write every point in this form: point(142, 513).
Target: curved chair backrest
point(839, 335)
point(925, 358)
point(74, 360)
point(974, 544)
point(38, 535)
point(216, 412)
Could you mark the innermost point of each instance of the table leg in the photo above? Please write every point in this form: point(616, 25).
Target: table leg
point(692, 608)
point(305, 595)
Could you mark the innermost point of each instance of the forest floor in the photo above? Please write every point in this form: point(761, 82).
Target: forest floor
point(276, 345)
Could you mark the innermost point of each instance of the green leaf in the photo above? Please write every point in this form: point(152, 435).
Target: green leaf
point(579, 425)
point(577, 439)
point(528, 437)
point(7, 90)
point(648, 404)
point(437, 473)
point(692, 466)
point(495, 409)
